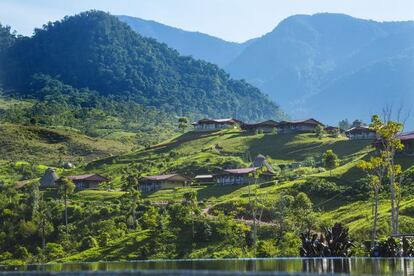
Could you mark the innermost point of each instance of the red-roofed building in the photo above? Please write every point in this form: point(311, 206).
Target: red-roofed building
point(88, 181)
point(156, 182)
point(307, 125)
point(215, 124)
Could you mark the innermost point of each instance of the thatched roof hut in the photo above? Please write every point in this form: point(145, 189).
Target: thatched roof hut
point(49, 178)
point(260, 162)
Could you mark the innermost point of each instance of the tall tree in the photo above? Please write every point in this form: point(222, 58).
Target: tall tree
point(66, 187)
point(42, 217)
point(344, 124)
point(376, 169)
point(389, 144)
point(182, 123)
point(319, 131)
point(131, 201)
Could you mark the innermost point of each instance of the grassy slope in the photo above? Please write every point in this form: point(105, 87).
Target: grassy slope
point(46, 146)
point(196, 153)
point(196, 149)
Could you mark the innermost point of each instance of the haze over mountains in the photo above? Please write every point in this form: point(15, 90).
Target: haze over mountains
point(328, 66)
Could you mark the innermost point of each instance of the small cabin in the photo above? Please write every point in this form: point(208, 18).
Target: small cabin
point(242, 176)
point(215, 124)
point(307, 125)
point(88, 181)
point(361, 133)
point(157, 182)
point(266, 126)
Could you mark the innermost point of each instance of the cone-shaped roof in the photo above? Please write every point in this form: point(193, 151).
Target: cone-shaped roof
point(49, 178)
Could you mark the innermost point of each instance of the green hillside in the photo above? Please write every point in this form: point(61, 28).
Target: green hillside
point(102, 227)
point(26, 151)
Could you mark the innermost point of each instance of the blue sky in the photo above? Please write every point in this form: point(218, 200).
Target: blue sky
point(233, 20)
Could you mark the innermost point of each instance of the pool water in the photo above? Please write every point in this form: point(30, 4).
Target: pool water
point(266, 266)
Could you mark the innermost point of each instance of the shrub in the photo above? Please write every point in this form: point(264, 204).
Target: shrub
point(267, 248)
point(22, 253)
point(319, 187)
point(203, 231)
point(54, 251)
point(88, 242)
point(289, 245)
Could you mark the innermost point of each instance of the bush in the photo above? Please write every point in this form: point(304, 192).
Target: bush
point(289, 245)
point(319, 187)
point(54, 251)
point(6, 256)
point(203, 231)
point(267, 248)
point(22, 253)
point(88, 242)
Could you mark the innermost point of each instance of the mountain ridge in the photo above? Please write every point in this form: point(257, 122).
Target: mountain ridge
point(201, 46)
point(306, 54)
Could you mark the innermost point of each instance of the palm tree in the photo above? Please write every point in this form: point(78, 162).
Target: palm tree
point(66, 187)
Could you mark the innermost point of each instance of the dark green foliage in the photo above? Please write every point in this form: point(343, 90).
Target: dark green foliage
point(58, 104)
point(89, 242)
point(335, 242)
point(393, 247)
point(95, 50)
point(319, 188)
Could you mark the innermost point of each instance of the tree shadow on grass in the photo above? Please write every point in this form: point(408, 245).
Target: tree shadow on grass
point(217, 191)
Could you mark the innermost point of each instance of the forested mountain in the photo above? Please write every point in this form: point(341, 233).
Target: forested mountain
point(198, 45)
point(332, 66)
point(328, 66)
point(95, 51)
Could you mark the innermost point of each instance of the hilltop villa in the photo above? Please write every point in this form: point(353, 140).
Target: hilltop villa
point(215, 124)
point(266, 126)
point(156, 182)
point(360, 133)
point(307, 125)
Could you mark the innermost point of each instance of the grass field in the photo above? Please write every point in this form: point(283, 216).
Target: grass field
point(41, 145)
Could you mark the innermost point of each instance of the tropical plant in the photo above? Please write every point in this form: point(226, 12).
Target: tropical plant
point(335, 242)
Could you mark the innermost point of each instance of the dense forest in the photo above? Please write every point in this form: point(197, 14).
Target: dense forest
point(94, 50)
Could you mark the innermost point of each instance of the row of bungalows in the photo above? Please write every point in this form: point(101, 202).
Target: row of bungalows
point(307, 125)
point(259, 172)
